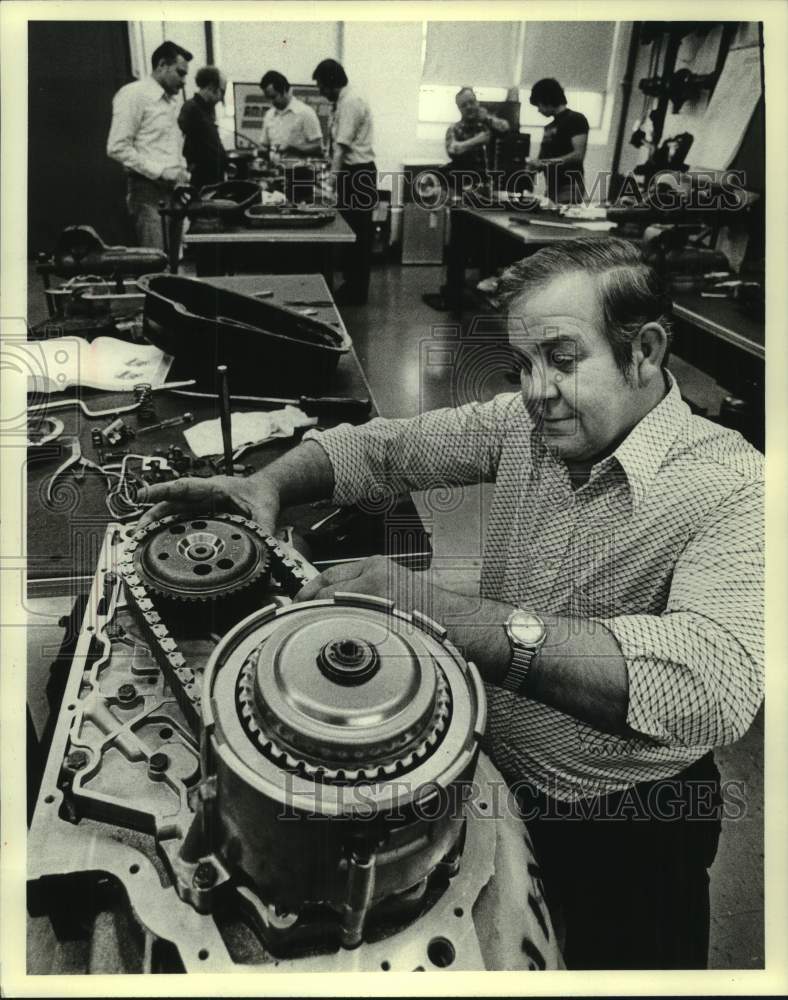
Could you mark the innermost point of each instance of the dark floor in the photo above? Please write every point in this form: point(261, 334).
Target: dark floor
point(404, 348)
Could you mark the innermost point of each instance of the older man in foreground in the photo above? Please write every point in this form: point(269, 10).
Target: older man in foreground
point(619, 627)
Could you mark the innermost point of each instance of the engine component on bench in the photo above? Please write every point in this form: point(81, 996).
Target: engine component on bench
point(80, 250)
point(224, 203)
point(288, 216)
point(198, 559)
point(301, 792)
point(268, 349)
point(355, 726)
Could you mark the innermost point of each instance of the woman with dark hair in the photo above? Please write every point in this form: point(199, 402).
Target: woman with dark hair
point(563, 146)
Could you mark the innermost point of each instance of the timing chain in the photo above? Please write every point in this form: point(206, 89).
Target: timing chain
point(183, 679)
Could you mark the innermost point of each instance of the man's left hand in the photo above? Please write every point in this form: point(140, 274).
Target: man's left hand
point(378, 577)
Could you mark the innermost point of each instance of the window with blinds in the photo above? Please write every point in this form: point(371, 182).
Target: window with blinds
point(496, 56)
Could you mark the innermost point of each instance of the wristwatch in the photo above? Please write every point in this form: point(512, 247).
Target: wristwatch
point(526, 633)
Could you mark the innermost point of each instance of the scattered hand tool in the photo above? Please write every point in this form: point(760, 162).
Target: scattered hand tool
point(331, 407)
point(75, 459)
point(57, 404)
point(225, 419)
point(184, 418)
point(47, 430)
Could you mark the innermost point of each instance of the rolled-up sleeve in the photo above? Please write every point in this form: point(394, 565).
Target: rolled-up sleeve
point(127, 110)
point(447, 447)
point(312, 130)
point(348, 118)
point(696, 671)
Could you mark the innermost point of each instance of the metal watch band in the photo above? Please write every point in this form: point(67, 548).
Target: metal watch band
point(517, 674)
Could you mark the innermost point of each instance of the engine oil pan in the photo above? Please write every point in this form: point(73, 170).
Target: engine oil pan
point(267, 349)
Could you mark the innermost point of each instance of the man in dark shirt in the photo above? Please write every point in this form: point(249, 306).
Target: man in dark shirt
point(563, 147)
point(202, 147)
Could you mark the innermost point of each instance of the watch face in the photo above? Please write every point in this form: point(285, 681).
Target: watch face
point(526, 628)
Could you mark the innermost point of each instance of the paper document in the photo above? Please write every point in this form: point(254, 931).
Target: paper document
point(721, 130)
point(106, 363)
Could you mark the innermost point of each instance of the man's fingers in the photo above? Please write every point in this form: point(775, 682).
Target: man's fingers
point(324, 591)
point(156, 513)
point(188, 489)
point(334, 577)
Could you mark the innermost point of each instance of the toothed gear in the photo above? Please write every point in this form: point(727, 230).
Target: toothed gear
point(299, 728)
point(197, 559)
point(401, 754)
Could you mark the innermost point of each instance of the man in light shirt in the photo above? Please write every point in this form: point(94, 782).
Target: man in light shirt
point(354, 173)
point(290, 126)
point(146, 139)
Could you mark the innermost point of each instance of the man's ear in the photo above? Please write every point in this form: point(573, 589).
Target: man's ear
point(648, 352)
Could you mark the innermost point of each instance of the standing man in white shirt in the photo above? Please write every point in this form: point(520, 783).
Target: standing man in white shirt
point(146, 139)
point(290, 126)
point(354, 172)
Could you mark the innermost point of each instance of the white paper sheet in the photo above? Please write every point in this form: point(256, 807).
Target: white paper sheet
point(729, 112)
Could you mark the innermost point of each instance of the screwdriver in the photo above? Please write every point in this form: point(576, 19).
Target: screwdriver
point(330, 407)
point(185, 418)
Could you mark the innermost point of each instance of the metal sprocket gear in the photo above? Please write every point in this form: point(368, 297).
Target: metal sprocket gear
point(395, 757)
point(197, 559)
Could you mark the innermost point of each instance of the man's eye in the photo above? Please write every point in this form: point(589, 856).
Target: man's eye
point(562, 360)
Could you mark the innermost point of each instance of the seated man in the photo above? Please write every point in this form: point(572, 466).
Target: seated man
point(290, 127)
point(619, 627)
point(467, 139)
point(202, 147)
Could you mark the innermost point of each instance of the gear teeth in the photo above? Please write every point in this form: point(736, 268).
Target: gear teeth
point(135, 576)
point(349, 772)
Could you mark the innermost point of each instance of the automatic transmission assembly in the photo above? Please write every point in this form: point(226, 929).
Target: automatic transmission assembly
point(277, 786)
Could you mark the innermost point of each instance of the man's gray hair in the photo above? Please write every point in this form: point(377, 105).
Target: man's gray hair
point(464, 90)
point(631, 293)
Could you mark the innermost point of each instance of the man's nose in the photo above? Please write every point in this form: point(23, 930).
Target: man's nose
point(540, 383)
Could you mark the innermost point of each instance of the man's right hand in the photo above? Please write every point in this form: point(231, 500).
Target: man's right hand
point(175, 175)
point(256, 499)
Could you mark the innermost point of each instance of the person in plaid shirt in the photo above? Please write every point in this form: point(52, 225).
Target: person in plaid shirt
point(467, 140)
point(627, 534)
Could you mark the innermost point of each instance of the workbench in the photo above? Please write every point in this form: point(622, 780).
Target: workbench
point(498, 237)
point(237, 249)
point(712, 334)
point(63, 536)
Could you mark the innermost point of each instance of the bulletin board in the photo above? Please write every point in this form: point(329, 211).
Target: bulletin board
point(250, 106)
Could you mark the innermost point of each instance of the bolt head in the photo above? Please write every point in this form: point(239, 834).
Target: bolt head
point(159, 762)
point(205, 875)
point(127, 692)
point(76, 760)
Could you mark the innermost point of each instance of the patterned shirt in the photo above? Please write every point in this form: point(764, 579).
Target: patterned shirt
point(476, 157)
point(144, 135)
point(471, 159)
point(295, 125)
point(662, 545)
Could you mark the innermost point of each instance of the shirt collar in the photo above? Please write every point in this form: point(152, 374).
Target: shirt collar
point(643, 450)
point(157, 90)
